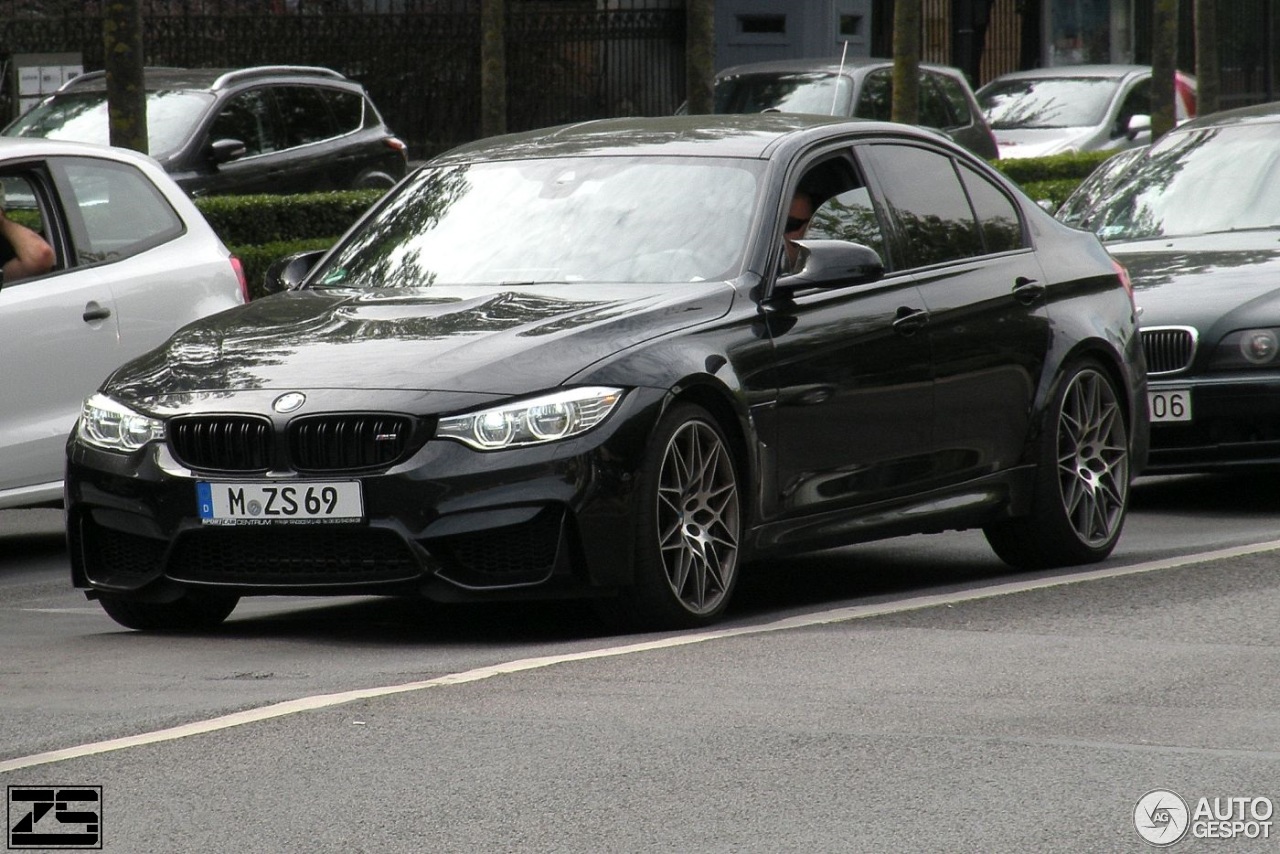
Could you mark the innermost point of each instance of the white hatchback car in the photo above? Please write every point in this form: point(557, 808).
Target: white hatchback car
point(1073, 108)
point(134, 261)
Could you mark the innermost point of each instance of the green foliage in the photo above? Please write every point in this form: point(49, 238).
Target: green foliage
point(257, 258)
point(1026, 170)
point(1054, 191)
point(261, 219)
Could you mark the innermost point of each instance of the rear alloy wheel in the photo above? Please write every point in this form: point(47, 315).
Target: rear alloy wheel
point(1082, 485)
point(690, 524)
point(193, 611)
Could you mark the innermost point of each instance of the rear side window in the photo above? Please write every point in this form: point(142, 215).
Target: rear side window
point(115, 210)
point(997, 214)
point(348, 109)
point(928, 203)
point(935, 112)
point(957, 103)
point(875, 101)
point(304, 112)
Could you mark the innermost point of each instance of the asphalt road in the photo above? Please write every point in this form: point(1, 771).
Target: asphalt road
point(905, 696)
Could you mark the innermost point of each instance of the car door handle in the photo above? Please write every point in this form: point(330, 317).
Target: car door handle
point(910, 320)
point(1027, 291)
point(93, 311)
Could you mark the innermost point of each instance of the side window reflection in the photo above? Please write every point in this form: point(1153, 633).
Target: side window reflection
point(849, 216)
point(928, 203)
point(997, 216)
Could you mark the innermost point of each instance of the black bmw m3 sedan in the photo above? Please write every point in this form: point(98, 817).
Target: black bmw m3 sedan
point(609, 360)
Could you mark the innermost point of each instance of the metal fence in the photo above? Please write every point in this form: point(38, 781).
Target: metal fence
point(566, 60)
point(419, 59)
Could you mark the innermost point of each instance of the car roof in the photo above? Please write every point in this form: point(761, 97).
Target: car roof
point(208, 79)
point(824, 65)
point(753, 135)
point(1257, 114)
point(21, 147)
point(1105, 71)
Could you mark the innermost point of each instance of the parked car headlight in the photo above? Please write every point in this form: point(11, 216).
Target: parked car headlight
point(106, 423)
point(534, 421)
point(1246, 348)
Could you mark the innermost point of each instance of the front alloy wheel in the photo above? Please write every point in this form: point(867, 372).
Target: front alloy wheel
point(697, 509)
point(689, 523)
point(1082, 484)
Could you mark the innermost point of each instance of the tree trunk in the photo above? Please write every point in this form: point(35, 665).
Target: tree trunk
point(906, 62)
point(1164, 64)
point(1207, 68)
point(493, 67)
point(700, 55)
point(123, 59)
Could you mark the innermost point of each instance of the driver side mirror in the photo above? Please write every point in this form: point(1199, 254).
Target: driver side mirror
point(831, 264)
point(225, 150)
point(287, 273)
point(1139, 123)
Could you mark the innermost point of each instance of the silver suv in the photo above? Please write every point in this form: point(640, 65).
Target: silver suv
point(860, 87)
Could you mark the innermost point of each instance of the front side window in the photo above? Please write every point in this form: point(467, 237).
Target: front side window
point(246, 117)
point(117, 211)
point(928, 203)
point(556, 220)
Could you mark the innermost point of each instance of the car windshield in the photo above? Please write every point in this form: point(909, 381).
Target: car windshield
point(1197, 182)
point(563, 220)
point(1055, 102)
point(822, 93)
point(82, 117)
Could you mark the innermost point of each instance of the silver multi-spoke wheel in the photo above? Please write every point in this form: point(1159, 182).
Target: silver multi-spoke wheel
point(1081, 491)
point(1093, 458)
point(698, 517)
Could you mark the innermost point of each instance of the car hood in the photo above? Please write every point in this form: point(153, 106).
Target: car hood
point(1214, 282)
point(1029, 142)
point(433, 339)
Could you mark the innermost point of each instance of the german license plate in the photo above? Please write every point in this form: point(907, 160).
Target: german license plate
point(1169, 404)
point(307, 503)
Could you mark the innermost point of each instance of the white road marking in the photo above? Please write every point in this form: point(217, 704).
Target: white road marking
point(835, 615)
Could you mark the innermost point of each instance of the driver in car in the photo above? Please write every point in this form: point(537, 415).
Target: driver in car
point(23, 253)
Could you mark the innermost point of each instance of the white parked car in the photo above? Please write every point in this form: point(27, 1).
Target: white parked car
point(1076, 108)
point(134, 261)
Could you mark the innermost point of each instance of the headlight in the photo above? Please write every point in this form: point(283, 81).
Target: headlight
point(104, 423)
point(530, 422)
point(1258, 345)
point(1248, 348)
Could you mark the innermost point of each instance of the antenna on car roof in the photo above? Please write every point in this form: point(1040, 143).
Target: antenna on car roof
point(836, 94)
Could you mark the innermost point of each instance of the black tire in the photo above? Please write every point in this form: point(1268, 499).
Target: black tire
point(1082, 484)
point(689, 525)
point(193, 611)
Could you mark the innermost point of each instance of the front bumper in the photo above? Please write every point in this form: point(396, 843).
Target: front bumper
point(1235, 424)
point(449, 523)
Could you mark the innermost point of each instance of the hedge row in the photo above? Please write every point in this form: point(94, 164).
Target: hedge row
point(259, 229)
